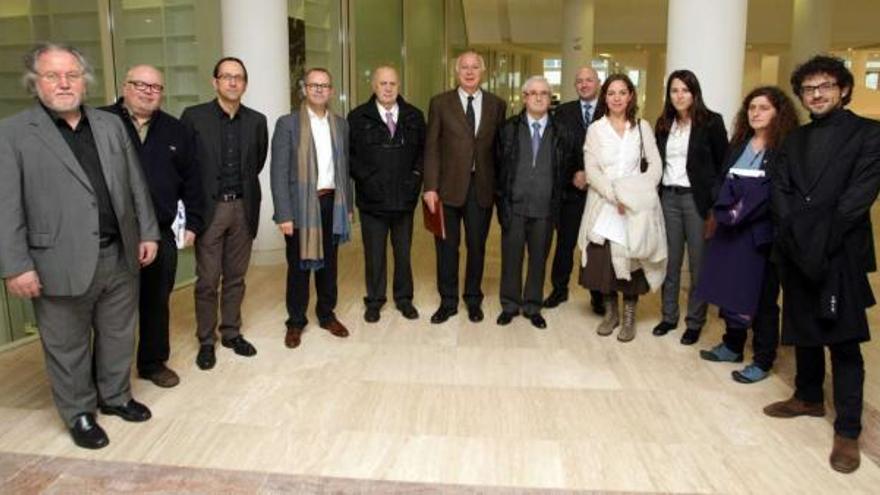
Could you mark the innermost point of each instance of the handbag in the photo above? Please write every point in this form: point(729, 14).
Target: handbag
point(643, 161)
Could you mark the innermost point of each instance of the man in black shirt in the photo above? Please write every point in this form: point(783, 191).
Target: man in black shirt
point(165, 153)
point(231, 142)
point(76, 225)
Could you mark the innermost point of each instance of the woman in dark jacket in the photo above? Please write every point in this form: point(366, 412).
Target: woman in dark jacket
point(692, 143)
point(736, 274)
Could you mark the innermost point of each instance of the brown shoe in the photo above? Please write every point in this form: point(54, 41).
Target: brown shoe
point(845, 454)
point(163, 377)
point(794, 407)
point(334, 327)
point(293, 336)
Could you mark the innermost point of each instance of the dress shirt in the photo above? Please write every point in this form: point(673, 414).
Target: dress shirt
point(395, 112)
point(542, 122)
point(592, 104)
point(675, 172)
point(478, 105)
point(323, 149)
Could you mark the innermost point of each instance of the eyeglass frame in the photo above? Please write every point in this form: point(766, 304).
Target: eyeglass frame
point(54, 78)
point(228, 78)
point(823, 88)
point(143, 86)
point(316, 86)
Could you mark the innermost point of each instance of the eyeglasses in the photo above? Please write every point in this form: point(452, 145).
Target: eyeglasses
point(318, 87)
point(823, 88)
point(54, 77)
point(228, 78)
point(535, 94)
point(143, 87)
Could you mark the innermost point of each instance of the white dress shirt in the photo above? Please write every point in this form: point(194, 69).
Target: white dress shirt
point(323, 149)
point(478, 105)
point(395, 112)
point(675, 171)
point(542, 122)
point(592, 104)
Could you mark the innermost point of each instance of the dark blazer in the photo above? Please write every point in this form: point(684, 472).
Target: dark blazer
point(824, 244)
point(48, 214)
point(571, 116)
point(387, 169)
point(202, 122)
point(707, 148)
point(451, 148)
point(507, 153)
point(172, 174)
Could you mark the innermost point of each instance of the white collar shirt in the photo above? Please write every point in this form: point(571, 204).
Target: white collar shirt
point(323, 149)
point(675, 170)
point(383, 112)
point(478, 105)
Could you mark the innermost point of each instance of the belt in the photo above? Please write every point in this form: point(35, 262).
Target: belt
point(228, 197)
point(325, 192)
point(677, 189)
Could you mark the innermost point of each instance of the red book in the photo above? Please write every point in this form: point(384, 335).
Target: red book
point(435, 222)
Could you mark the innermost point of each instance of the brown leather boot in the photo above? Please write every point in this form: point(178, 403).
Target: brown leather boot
point(795, 407)
point(612, 315)
point(628, 327)
point(845, 456)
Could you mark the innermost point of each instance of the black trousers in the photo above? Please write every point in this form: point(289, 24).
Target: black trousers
point(375, 229)
point(566, 240)
point(524, 233)
point(476, 221)
point(325, 277)
point(156, 284)
point(848, 378)
point(765, 326)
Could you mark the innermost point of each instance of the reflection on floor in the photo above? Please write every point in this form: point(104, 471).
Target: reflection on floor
point(470, 405)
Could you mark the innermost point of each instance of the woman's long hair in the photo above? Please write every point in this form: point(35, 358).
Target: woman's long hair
point(631, 109)
point(785, 121)
point(698, 112)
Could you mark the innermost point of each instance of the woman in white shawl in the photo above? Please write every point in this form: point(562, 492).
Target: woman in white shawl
point(622, 236)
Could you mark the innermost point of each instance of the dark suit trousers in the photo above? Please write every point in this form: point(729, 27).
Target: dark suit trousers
point(222, 251)
point(765, 325)
point(848, 378)
point(325, 278)
point(109, 306)
point(157, 282)
point(566, 239)
point(375, 229)
point(524, 233)
point(476, 229)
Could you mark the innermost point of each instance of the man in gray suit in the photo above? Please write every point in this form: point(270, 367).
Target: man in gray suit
point(76, 225)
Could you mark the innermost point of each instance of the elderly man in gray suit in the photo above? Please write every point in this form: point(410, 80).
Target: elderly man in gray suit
point(76, 225)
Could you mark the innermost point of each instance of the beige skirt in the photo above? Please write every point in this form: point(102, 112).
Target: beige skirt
point(599, 274)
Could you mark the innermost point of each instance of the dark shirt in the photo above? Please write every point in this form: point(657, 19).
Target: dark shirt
point(82, 144)
point(230, 146)
point(820, 135)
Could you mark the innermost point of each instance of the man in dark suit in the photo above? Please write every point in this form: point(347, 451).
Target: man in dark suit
point(460, 178)
point(165, 152)
point(387, 139)
point(532, 159)
point(76, 225)
point(827, 178)
point(231, 142)
point(575, 116)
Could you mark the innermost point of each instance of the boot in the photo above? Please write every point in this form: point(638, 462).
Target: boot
point(628, 327)
point(845, 454)
point(612, 316)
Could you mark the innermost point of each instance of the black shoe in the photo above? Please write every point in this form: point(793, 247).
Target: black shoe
point(371, 315)
point(408, 311)
point(690, 336)
point(87, 433)
point(206, 359)
point(663, 328)
point(475, 313)
point(443, 314)
point(505, 318)
point(240, 346)
point(556, 298)
point(538, 321)
point(132, 411)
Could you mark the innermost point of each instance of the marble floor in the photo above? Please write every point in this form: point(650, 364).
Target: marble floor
point(410, 407)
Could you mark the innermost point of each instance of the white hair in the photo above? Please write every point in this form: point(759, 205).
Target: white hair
point(533, 80)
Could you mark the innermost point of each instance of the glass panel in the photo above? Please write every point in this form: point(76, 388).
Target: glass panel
point(377, 40)
point(315, 41)
point(423, 41)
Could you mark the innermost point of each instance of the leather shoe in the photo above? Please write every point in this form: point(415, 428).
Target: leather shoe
point(505, 318)
point(335, 328)
point(845, 457)
point(293, 336)
point(475, 313)
point(206, 358)
point(538, 321)
point(663, 328)
point(87, 433)
point(795, 407)
point(371, 315)
point(690, 336)
point(162, 377)
point(442, 314)
point(409, 311)
point(240, 346)
point(555, 298)
point(132, 411)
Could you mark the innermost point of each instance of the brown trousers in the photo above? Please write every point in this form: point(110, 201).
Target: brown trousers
point(223, 252)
